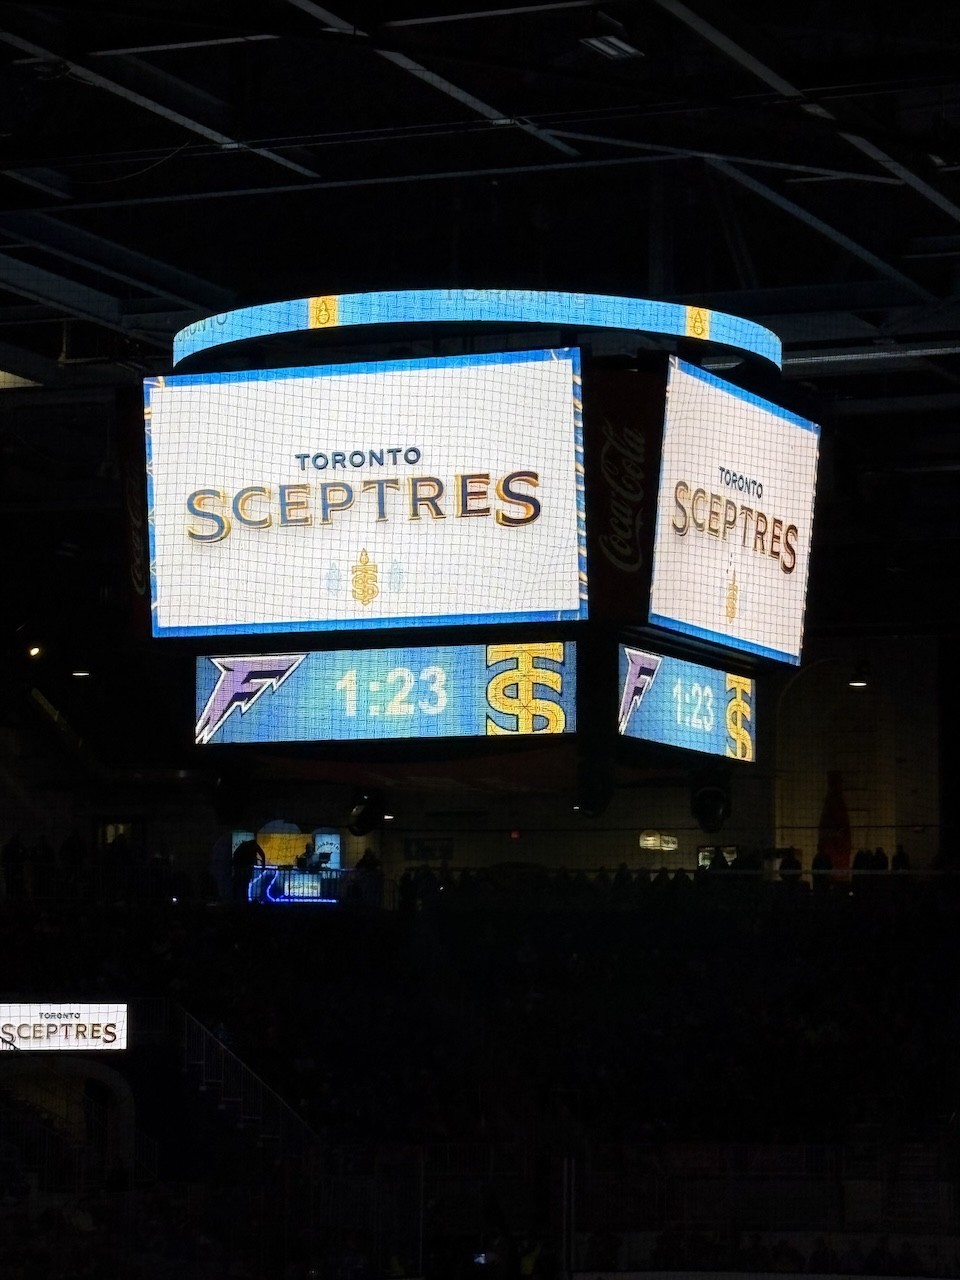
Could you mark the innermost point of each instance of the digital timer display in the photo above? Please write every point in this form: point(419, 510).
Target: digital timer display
point(356, 695)
point(684, 704)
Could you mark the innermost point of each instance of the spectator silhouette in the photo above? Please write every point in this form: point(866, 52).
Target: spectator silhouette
point(622, 884)
point(246, 856)
point(791, 868)
point(821, 868)
point(862, 866)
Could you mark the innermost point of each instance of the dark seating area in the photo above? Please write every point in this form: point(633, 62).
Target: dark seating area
point(684, 1037)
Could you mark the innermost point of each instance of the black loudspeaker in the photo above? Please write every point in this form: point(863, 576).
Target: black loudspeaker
point(365, 815)
point(235, 801)
point(595, 784)
point(710, 803)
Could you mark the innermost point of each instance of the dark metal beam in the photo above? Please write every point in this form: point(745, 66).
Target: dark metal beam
point(156, 91)
point(40, 400)
point(519, 10)
point(838, 237)
point(758, 162)
point(108, 258)
point(934, 402)
point(736, 52)
point(438, 82)
point(42, 179)
point(756, 66)
point(175, 46)
point(50, 375)
point(44, 286)
point(27, 364)
point(890, 353)
point(383, 180)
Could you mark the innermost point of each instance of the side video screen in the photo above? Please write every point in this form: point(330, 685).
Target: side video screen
point(684, 704)
point(734, 517)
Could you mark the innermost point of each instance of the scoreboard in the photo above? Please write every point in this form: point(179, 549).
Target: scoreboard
point(514, 496)
point(685, 704)
point(507, 689)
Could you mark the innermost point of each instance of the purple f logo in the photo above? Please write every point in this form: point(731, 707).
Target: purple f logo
point(241, 682)
point(642, 667)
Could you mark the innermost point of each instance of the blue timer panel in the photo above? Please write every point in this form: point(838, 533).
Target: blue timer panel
point(356, 695)
point(683, 704)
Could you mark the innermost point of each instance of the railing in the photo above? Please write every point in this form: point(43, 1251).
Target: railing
point(540, 887)
point(272, 885)
point(153, 885)
point(871, 1186)
point(46, 1155)
point(239, 1091)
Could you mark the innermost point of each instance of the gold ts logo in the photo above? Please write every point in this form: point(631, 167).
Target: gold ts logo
point(512, 691)
point(738, 718)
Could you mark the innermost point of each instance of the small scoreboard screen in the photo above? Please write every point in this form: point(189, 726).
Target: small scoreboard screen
point(383, 494)
point(508, 689)
point(684, 704)
point(734, 517)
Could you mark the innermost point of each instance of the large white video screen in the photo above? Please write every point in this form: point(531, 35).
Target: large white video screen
point(734, 517)
point(340, 497)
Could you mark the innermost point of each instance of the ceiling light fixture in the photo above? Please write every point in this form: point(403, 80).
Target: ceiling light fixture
point(611, 47)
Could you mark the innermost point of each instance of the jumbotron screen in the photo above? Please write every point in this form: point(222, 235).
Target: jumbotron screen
point(374, 495)
point(508, 689)
point(685, 704)
point(734, 517)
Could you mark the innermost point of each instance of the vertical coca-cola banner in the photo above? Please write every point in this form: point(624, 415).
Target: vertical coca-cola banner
point(623, 430)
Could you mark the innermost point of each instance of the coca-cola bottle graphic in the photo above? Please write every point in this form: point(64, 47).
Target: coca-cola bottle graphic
point(833, 831)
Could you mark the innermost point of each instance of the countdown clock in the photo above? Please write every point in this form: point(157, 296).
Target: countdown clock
point(509, 689)
point(684, 704)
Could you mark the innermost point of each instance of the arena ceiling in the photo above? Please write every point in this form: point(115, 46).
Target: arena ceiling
point(797, 164)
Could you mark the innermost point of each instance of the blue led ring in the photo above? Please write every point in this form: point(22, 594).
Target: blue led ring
point(477, 306)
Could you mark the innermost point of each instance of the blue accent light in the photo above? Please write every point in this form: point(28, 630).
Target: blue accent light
point(748, 397)
point(718, 638)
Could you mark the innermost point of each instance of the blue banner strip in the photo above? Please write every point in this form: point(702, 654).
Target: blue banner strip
point(478, 306)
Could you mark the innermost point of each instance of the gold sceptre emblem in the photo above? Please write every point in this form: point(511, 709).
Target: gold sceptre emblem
point(364, 575)
point(733, 594)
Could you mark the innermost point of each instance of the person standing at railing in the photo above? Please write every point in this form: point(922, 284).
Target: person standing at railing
point(247, 857)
